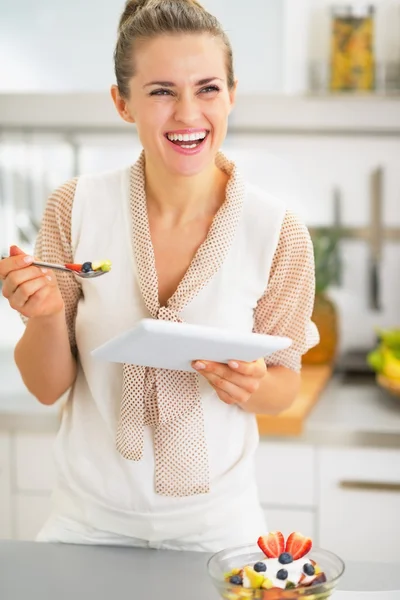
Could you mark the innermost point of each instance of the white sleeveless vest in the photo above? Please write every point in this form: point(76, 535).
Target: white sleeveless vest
point(95, 482)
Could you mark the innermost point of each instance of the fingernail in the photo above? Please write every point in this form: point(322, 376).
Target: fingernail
point(48, 277)
point(233, 364)
point(44, 270)
point(28, 259)
point(199, 366)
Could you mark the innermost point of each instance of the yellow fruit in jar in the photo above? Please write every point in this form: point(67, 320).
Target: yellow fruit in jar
point(245, 594)
point(231, 573)
point(255, 579)
point(267, 584)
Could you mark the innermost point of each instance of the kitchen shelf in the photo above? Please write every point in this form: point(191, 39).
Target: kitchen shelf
point(254, 114)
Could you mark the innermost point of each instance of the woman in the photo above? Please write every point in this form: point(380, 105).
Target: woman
point(150, 457)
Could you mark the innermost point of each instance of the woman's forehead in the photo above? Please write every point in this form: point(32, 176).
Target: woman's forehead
point(180, 57)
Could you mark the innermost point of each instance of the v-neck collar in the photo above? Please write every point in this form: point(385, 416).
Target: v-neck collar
point(210, 254)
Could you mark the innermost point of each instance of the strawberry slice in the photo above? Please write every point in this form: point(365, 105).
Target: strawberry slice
point(298, 545)
point(272, 544)
point(73, 267)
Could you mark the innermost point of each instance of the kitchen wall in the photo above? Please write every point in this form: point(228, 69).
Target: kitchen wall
point(273, 42)
point(29, 29)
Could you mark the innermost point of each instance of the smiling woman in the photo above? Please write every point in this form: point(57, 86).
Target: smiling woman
point(174, 79)
point(150, 456)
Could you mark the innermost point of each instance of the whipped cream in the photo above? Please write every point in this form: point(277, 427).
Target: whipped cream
point(294, 569)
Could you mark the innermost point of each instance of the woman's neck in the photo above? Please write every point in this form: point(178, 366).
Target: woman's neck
point(180, 199)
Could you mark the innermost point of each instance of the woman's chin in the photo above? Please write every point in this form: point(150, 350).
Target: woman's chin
point(188, 166)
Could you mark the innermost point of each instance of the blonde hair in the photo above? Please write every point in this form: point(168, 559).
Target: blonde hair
point(146, 19)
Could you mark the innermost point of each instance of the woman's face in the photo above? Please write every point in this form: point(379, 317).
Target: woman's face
point(180, 101)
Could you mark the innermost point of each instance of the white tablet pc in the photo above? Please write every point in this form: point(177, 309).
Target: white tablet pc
point(169, 345)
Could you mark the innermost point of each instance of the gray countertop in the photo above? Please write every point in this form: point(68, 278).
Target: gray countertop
point(47, 571)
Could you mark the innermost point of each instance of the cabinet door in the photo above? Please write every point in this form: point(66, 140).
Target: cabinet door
point(285, 474)
point(5, 488)
point(288, 520)
point(359, 503)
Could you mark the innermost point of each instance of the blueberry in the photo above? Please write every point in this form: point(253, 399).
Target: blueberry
point(308, 569)
point(260, 567)
point(236, 580)
point(282, 574)
point(86, 267)
point(285, 558)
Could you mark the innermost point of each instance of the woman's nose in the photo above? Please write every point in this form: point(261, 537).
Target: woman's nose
point(187, 109)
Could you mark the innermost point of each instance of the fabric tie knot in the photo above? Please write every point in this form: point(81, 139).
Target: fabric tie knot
point(166, 313)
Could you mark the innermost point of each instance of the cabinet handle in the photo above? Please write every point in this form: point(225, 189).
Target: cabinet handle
point(373, 486)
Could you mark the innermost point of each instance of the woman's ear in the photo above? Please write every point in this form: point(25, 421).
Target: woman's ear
point(232, 94)
point(121, 105)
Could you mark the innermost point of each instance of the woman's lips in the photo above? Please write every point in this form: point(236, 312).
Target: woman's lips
point(186, 145)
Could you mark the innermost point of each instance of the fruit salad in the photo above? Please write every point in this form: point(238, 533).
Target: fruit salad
point(285, 566)
point(89, 267)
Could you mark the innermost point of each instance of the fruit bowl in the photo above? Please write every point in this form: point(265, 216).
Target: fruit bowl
point(235, 558)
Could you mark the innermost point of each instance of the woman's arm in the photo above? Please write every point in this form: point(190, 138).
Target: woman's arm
point(277, 391)
point(270, 386)
point(44, 359)
point(45, 355)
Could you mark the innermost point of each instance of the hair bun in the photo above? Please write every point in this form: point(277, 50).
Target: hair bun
point(131, 8)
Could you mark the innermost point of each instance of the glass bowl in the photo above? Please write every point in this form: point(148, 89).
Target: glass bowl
point(233, 558)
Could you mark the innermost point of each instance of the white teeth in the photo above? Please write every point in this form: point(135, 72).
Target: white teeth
point(186, 137)
point(188, 145)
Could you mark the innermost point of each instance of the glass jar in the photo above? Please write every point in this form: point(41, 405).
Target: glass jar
point(352, 48)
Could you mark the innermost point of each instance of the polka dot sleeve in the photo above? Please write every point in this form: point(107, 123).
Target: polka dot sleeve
point(286, 307)
point(53, 245)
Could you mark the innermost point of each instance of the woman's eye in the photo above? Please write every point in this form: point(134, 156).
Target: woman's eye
point(160, 93)
point(209, 89)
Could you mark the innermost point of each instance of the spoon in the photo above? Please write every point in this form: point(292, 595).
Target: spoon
point(81, 274)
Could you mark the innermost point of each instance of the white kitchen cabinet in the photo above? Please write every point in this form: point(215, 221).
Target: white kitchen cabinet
point(31, 513)
point(288, 520)
point(359, 503)
point(5, 488)
point(285, 474)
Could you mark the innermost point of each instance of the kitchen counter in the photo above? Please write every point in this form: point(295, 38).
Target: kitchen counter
point(84, 572)
point(348, 412)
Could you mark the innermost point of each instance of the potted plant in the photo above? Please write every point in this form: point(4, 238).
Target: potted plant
point(327, 272)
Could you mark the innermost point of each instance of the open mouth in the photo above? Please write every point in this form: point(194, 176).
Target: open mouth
point(188, 141)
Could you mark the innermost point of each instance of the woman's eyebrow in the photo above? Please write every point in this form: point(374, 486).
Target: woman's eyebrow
point(171, 84)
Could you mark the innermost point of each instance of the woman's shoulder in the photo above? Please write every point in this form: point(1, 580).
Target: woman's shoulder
point(64, 194)
point(265, 210)
point(103, 178)
point(261, 207)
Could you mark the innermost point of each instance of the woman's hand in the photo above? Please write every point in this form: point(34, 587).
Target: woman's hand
point(235, 382)
point(30, 290)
